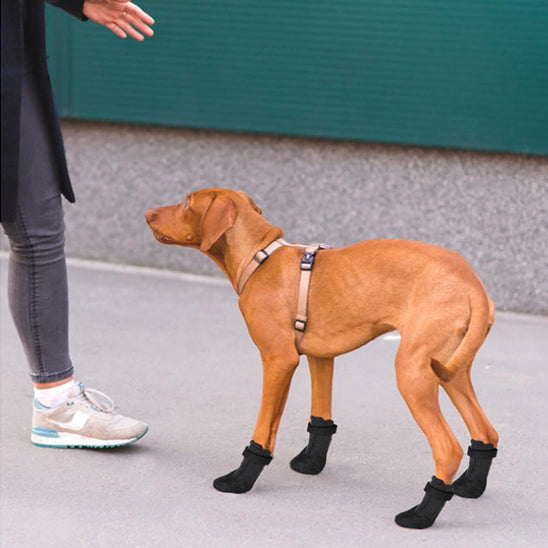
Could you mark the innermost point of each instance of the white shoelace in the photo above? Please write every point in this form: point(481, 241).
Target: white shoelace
point(98, 399)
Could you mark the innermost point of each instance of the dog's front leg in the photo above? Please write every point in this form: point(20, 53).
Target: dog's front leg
point(277, 374)
point(312, 459)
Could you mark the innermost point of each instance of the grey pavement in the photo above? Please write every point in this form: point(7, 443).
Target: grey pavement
point(173, 350)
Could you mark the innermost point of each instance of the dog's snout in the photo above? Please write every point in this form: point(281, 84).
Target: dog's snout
point(151, 215)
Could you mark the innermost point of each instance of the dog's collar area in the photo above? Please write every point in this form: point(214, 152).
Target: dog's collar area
point(307, 264)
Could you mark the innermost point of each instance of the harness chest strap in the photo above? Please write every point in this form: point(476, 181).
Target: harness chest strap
point(307, 263)
point(260, 257)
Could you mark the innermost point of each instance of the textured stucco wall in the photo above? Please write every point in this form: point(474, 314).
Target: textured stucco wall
point(492, 208)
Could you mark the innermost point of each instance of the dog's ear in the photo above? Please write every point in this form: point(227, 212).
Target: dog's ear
point(218, 218)
point(251, 202)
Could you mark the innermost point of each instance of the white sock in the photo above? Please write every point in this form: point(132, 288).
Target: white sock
point(52, 397)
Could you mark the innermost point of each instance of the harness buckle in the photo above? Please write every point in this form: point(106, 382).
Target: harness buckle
point(261, 256)
point(300, 325)
point(307, 262)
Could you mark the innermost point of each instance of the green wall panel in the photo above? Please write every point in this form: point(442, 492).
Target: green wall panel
point(455, 73)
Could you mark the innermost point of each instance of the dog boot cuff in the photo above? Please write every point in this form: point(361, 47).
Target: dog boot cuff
point(424, 515)
point(438, 489)
point(473, 482)
point(255, 453)
point(482, 450)
point(321, 427)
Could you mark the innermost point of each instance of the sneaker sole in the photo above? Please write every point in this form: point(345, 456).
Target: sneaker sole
point(65, 440)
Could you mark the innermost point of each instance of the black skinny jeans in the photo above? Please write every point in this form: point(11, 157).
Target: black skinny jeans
point(37, 275)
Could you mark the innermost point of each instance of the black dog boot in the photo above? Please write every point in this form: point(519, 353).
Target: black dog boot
point(473, 482)
point(311, 460)
point(425, 514)
point(243, 479)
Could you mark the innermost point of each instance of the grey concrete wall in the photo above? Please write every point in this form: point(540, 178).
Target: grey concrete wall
point(492, 208)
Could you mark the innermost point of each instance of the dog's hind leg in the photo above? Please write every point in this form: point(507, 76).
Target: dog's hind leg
point(277, 374)
point(419, 386)
point(484, 441)
point(312, 459)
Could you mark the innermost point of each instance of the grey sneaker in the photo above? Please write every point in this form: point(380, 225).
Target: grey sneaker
point(85, 419)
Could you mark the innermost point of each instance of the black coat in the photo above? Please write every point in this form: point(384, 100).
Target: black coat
point(24, 33)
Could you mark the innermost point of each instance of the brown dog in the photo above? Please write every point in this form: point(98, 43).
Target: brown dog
point(356, 293)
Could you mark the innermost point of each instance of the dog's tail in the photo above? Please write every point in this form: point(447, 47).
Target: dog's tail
point(482, 316)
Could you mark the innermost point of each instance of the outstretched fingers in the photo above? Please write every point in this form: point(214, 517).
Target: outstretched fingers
point(122, 18)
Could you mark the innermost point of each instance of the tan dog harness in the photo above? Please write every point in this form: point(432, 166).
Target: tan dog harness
point(258, 259)
point(307, 263)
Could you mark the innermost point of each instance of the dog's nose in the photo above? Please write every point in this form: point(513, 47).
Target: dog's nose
point(150, 215)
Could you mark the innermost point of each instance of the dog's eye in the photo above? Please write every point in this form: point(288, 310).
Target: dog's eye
point(186, 204)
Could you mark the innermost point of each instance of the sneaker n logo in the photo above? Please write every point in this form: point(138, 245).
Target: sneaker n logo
point(77, 422)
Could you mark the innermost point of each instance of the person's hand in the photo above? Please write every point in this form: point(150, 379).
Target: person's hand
point(122, 17)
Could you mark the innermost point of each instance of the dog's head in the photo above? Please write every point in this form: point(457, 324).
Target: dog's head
point(201, 219)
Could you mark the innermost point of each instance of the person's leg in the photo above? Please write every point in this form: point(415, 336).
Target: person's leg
point(65, 414)
point(37, 277)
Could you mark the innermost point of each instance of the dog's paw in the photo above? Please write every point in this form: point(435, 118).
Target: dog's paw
point(469, 488)
point(232, 484)
point(437, 493)
point(472, 484)
point(308, 464)
point(414, 519)
point(243, 479)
